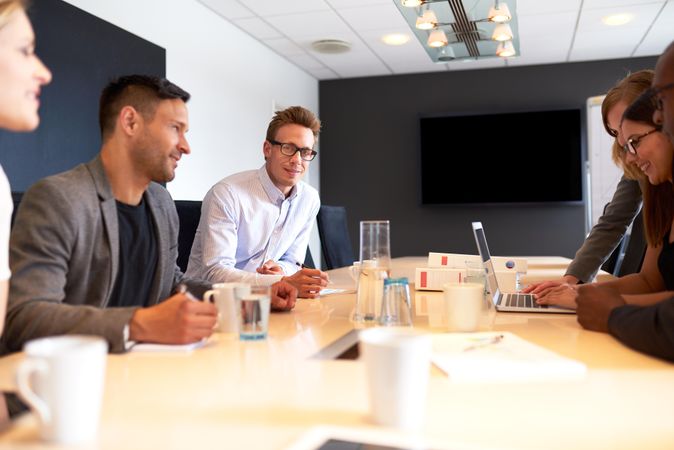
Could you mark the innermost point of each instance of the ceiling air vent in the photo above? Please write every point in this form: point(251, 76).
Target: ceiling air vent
point(331, 46)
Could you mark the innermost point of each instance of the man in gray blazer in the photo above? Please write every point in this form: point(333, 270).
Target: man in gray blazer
point(94, 249)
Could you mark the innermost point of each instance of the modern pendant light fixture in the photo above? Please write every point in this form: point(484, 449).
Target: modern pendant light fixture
point(463, 29)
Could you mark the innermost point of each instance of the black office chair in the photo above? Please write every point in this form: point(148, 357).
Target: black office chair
point(189, 213)
point(334, 233)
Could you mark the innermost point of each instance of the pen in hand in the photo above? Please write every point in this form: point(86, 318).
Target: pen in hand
point(182, 289)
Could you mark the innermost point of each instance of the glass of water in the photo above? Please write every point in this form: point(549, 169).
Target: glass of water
point(253, 314)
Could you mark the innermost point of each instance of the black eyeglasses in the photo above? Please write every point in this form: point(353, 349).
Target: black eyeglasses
point(633, 143)
point(288, 149)
point(654, 95)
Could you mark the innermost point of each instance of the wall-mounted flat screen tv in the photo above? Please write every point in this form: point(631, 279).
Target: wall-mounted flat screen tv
point(521, 157)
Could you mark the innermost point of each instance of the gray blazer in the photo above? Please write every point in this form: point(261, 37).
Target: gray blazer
point(608, 232)
point(64, 257)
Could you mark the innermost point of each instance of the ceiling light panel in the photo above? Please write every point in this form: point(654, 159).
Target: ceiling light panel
point(643, 16)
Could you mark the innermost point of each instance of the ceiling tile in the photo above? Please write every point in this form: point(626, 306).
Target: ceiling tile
point(277, 7)
point(307, 62)
point(590, 19)
point(338, 4)
point(284, 47)
point(542, 25)
point(325, 24)
point(229, 9)
point(370, 69)
point(546, 30)
point(546, 49)
point(323, 74)
point(257, 28)
point(374, 17)
point(476, 64)
point(525, 7)
point(400, 67)
point(590, 4)
point(353, 63)
point(596, 45)
point(660, 34)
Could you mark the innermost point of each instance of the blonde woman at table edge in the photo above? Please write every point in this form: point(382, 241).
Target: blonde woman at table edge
point(21, 76)
point(650, 150)
point(624, 205)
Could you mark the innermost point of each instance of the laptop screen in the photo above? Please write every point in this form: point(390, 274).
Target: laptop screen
point(481, 241)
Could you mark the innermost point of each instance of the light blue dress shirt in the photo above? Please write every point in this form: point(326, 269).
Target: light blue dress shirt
point(245, 221)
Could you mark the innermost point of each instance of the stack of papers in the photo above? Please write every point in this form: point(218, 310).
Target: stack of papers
point(500, 357)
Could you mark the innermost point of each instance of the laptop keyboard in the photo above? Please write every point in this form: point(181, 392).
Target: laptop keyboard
point(521, 301)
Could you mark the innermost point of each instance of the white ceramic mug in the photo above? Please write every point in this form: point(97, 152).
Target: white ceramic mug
point(62, 381)
point(397, 361)
point(464, 305)
point(224, 297)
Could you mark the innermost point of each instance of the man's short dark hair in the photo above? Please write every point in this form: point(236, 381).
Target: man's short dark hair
point(142, 92)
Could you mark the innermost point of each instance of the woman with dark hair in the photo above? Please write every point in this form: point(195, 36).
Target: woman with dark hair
point(626, 202)
point(648, 150)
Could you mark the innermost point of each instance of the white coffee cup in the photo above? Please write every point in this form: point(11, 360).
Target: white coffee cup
point(464, 305)
point(62, 381)
point(224, 297)
point(397, 361)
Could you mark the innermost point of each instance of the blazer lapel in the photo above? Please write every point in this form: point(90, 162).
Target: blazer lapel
point(158, 216)
point(109, 213)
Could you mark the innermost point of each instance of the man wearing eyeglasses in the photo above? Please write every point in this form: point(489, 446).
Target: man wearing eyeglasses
point(255, 225)
point(649, 329)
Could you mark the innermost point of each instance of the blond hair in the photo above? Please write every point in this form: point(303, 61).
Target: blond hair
point(293, 115)
point(626, 90)
point(7, 7)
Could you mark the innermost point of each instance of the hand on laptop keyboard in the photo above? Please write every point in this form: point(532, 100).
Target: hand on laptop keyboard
point(562, 295)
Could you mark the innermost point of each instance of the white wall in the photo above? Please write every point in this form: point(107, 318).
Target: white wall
point(234, 81)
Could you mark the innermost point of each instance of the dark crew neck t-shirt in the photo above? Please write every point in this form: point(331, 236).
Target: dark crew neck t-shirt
point(137, 256)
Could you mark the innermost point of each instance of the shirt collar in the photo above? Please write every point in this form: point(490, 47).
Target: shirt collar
point(272, 191)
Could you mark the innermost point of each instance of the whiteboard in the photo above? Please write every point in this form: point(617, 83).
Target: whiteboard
point(602, 173)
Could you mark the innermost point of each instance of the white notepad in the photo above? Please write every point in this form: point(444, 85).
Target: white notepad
point(486, 358)
point(168, 348)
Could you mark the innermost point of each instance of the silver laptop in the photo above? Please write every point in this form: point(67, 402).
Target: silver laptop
point(508, 302)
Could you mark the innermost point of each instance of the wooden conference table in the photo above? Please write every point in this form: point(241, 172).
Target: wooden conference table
point(267, 395)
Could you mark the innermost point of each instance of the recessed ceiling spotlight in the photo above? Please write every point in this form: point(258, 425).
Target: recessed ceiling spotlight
point(331, 46)
point(615, 20)
point(395, 39)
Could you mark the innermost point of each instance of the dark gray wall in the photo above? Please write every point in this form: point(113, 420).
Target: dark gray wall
point(370, 153)
point(84, 53)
